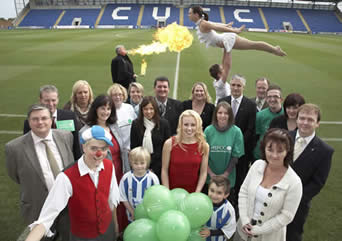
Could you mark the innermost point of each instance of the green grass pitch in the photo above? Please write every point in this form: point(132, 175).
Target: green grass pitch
point(31, 58)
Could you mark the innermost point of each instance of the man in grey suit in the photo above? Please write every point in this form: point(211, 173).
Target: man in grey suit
point(33, 161)
point(261, 86)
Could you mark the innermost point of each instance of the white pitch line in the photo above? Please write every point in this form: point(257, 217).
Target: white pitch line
point(331, 122)
point(332, 139)
point(12, 115)
point(11, 132)
point(175, 87)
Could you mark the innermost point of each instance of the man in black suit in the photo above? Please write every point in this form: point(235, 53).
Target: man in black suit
point(261, 86)
point(122, 68)
point(49, 98)
point(245, 113)
point(311, 161)
point(169, 109)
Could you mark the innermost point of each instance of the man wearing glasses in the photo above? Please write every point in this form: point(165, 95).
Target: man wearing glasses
point(34, 160)
point(264, 117)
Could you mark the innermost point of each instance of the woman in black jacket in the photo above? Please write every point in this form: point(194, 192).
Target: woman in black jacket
point(150, 131)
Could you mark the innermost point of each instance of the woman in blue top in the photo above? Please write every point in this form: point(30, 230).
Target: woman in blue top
point(226, 143)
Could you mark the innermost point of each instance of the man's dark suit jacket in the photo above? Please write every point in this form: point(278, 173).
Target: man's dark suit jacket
point(159, 136)
point(173, 110)
point(312, 166)
point(65, 115)
point(122, 71)
point(245, 120)
point(264, 106)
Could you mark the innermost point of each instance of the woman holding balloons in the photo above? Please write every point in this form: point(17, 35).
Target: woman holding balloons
point(185, 156)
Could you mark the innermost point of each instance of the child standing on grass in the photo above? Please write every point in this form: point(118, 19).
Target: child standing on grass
point(222, 225)
point(134, 183)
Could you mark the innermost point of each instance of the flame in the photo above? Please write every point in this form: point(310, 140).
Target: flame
point(173, 37)
point(153, 48)
point(176, 37)
point(143, 67)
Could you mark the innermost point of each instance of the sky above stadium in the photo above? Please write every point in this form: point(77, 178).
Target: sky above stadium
point(7, 8)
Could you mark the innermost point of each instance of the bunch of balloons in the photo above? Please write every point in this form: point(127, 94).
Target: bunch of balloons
point(166, 215)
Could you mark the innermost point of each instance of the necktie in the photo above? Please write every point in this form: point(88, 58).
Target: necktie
point(162, 109)
point(259, 104)
point(53, 126)
point(235, 104)
point(52, 161)
point(298, 148)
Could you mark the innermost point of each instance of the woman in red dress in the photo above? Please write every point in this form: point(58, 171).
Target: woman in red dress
point(102, 112)
point(185, 156)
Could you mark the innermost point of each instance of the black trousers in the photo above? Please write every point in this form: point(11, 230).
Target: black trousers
point(295, 229)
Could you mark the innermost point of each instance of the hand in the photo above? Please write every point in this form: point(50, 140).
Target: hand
point(239, 30)
point(205, 232)
point(132, 215)
point(135, 76)
point(225, 174)
point(247, 229)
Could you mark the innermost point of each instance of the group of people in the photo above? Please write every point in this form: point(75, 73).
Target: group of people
point(82, 170)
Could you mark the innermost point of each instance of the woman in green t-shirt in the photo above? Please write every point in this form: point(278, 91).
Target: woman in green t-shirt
point(226, 143)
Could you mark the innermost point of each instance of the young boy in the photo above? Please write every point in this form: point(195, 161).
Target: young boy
point(134, 183)
point(222, 88)
point(222, 225)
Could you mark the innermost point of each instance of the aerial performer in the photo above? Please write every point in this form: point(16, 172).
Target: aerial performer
point(228, 39)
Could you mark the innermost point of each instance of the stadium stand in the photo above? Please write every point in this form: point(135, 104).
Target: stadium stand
point(131, 15)
point(276, 16)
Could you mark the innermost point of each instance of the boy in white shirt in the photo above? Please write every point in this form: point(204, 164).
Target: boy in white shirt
point(135, 182)
point(222, 225)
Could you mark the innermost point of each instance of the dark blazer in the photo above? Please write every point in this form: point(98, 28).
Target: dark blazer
point(245, 120)
point(264, 106)
point(279, 122)
point(159, 136)
point(23, 167)
point(206, 115)
point(122, 70)
point(65, 115)
point(313, 166)
point(173, 110)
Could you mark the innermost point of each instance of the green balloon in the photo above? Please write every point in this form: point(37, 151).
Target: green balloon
point(195, 236)
point(157, 200)
point(141, 230)
point(173, 225)
point(140, 212)
point(198, 208)
point(178, 195)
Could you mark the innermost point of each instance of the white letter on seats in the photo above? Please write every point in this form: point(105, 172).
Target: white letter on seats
point(155, 12)
point(116, 10)
point(242, 20)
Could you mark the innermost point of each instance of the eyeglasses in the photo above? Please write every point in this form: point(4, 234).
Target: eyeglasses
point(117, 95)
point(37, 119)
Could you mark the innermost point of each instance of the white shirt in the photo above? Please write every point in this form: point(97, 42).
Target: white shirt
point(306, 141)
point(42, 157)
point(61, 191)
point(125, 115)
point(222, 89)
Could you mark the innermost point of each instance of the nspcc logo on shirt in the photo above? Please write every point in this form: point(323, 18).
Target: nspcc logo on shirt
point(220, 148)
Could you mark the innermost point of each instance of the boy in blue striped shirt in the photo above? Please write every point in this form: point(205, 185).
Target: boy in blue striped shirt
point(134, 183)
point(222, 225)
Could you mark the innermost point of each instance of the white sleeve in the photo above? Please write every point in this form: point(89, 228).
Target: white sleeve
point(55, 202)
point(114, 194)
point(123, 194)
point(230, 227)
point(155, 179)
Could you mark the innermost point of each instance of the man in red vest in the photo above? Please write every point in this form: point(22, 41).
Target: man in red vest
point(90, 191)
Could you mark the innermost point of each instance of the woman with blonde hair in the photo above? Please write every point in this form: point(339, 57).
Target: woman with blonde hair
point(200, 101)
point(136, 94)
point(80, 100)
point(185, 156)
